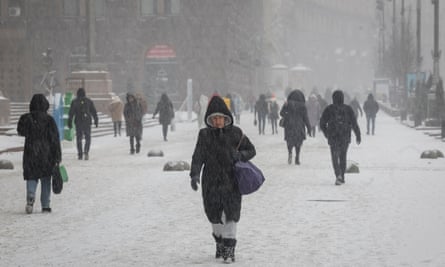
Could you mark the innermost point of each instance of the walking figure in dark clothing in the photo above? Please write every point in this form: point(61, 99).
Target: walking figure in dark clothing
point(273, 115)
point(41, 153)
point(219, 146)
point(83, 111)
point(336, 123)
point(371, 107)
point(133, 113)
point(166, 113)
point(295, 118)
point(261, 111)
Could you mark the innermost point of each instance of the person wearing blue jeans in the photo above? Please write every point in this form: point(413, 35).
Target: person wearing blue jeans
point(45, 195)
point(41, 153)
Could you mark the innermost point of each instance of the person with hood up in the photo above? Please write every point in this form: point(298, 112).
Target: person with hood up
point(216, 152)
point(116, 109)
point(166, 113)
point(273, 115)
point(83, 111)
point(371, 107)
point(313, 111)
point(41, 153)
point(295, 118)
point(261, 112)
point(336, 123)
point(133, 113)
point(355, 105)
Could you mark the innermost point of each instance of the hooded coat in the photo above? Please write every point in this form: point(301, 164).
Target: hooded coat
point(116, 109)
point(295, 117)
point(329, 122)
point(83, 111)
point(370, 107)
point(165, 109)
point(42, 144)
point(133, 113)
point(213, 154)
point(313, 110)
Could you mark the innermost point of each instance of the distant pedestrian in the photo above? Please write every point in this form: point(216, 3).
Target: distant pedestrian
point(237, 108)
point(355, 105)
point(83, 111)
point(371, 107)
point(116, 108)
point(41, 153)
point(313, 112)
point(260, 113)
point(133, 113)
point(336, 122)
point(273, 114)
point(295, 118)
point(216, 152)
point(166, 113)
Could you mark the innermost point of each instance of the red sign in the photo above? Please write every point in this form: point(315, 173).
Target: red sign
point(160, 52)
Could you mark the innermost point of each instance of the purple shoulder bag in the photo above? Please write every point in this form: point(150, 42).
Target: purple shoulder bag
point(249, 177)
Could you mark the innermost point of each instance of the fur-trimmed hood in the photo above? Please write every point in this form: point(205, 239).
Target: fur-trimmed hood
point(217, 106)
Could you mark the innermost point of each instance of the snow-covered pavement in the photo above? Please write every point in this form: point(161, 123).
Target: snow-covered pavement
point(123, 210)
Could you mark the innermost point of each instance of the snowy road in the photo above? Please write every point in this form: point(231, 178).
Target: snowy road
point(123, 210)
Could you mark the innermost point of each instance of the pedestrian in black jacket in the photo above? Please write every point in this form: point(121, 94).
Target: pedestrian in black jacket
point(42, 151)
point(295, 118)
point(261, 112)
point(371, 107)
point(336, 123)
point(216, 152)
point(166, 113)
point(83, 111)
point(133, 113)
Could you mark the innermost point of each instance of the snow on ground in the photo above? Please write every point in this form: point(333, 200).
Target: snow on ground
point(123, 210)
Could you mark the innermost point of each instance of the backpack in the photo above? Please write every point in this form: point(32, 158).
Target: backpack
point(84, 110)
point(339, 122)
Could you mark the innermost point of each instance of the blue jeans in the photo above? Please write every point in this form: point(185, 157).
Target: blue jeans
point(45, 195)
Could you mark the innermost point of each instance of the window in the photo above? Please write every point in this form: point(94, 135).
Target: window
point(15, 8)
point(99, 8)
point(148, 7)
point(70, 8)
point(160, 7)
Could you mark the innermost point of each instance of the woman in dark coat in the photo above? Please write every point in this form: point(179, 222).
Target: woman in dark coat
point(133, 122)
point(166, 113)
point(295, 118)
point(216, 151)
point(42, 151)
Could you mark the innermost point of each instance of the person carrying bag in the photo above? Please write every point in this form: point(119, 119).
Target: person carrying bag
point(216, 153)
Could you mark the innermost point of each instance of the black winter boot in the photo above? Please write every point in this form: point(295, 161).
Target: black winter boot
point(229, 250)
point(289, 158)
point(219, 246)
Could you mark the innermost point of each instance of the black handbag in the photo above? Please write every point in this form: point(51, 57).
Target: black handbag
point(281, 122)
point(57, 181)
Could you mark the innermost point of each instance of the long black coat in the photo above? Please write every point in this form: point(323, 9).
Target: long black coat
point(213, 153)
point(295, 117)
point(133, 113)
point(335, 135)
point(165, 109)
point(83, 111)
point(42, 144)
point(371, 107)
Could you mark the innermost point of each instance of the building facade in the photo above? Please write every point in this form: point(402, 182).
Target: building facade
point(147, 46)
point(323, 43)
